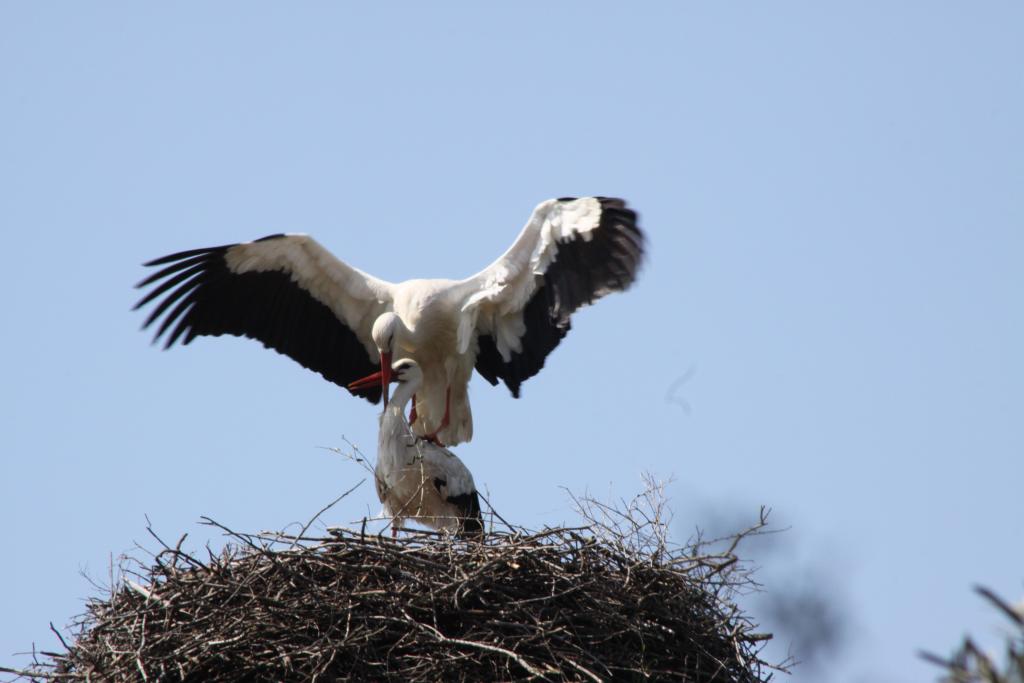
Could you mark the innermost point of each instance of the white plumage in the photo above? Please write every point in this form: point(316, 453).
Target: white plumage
point(416, 479)
point(296, 297)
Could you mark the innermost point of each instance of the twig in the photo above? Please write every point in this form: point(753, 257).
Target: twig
point(323, 510)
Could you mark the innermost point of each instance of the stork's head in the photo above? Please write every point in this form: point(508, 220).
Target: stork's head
point(407, 373)
point(384, 332)
point(385, 329)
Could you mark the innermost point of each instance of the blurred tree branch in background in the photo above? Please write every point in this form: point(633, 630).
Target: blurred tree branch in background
point(971, 665)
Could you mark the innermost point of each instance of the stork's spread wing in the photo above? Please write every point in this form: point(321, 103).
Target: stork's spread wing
point(285, 290)
point(571, 253)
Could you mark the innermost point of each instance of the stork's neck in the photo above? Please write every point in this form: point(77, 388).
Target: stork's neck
point(402, 395)
point(393, 425)
point(404, 330)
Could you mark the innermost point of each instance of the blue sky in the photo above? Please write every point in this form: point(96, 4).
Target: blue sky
point(832, 197)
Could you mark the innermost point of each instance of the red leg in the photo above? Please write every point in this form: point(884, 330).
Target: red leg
point(447, 408)
point(444, 421)
point(412, 411)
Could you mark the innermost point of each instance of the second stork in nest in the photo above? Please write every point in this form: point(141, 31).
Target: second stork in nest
point(416, 479)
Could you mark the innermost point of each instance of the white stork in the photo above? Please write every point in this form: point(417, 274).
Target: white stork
point(294, 296)
point(415, 478)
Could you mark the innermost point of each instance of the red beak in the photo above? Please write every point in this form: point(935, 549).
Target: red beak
point(383, 376)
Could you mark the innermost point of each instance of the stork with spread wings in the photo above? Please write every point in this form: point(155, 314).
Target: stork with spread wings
point(297, 298)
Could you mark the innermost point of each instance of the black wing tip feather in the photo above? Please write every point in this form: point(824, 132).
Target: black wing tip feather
point(184, 276)
point(192, 266)
point(181, 255)
point(470, 520)
point(620, 245)
point(468, 506)
point(203, 251)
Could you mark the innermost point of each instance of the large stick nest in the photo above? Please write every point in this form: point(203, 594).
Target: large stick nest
point(585, 603)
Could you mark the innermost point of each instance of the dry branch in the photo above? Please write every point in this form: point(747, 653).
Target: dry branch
point(970, 664)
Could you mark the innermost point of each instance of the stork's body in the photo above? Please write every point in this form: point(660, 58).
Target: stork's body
point(427, 330)
point(294, 296)
point(416, 479)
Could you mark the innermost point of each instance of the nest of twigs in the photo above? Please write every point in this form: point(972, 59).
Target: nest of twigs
point(587, 603)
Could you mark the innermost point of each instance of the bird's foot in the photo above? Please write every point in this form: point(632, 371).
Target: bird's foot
point(432, 438)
